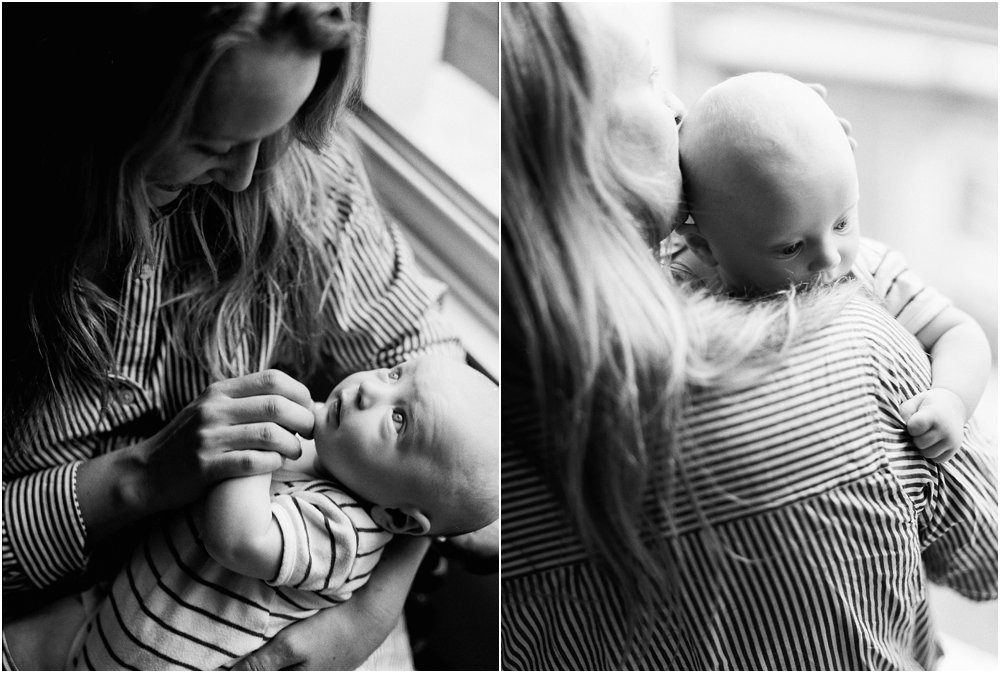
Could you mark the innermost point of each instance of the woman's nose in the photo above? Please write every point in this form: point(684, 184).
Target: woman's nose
point(237, 170)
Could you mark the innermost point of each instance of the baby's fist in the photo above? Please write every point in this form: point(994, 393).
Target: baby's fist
point(936, 421)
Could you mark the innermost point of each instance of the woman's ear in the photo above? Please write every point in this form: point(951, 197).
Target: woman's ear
point(406, 520)
point(699, 244)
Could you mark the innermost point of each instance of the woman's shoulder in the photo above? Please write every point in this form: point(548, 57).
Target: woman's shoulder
point(812, 422)
point(883, 339)
point(338, 167)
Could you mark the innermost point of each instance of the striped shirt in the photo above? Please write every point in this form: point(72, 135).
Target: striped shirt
point(882, 270)
point(386, 310)
point(174, 607)
point(829, 525)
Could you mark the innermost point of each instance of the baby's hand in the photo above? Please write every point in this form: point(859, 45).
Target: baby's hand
point(936, 420)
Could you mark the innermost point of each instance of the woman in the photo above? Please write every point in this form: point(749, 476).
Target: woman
point(200, 219)
point(688, 483)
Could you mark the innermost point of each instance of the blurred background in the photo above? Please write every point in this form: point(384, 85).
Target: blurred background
point(918, 82)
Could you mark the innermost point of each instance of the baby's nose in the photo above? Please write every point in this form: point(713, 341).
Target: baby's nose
point(369, 393)
point(827, 258)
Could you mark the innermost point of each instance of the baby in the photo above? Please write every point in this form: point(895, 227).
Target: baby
point(772, 189)
point(410, 450)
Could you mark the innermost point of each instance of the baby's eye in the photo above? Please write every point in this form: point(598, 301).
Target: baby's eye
point(398, 420)
point(841, 226)
point(791, 249)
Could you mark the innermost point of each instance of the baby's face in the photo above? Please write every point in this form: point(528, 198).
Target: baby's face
point(772, 182)
point(797, 225)
point(390, 434)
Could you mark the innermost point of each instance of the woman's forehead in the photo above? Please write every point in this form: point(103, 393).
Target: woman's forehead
point(619, 29)
point(254, 91)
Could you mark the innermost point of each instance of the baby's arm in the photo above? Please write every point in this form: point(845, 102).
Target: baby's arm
point(306, 462)
point(238, 528)
point(960, 366)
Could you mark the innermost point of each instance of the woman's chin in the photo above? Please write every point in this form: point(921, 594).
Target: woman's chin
point(161, 195)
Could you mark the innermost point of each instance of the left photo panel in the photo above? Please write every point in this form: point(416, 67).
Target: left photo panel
point(251, 384)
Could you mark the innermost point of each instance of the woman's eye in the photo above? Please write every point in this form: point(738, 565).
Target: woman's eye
point(208, 151)
point(398, 420)
point(790, 250)
point(393, 374)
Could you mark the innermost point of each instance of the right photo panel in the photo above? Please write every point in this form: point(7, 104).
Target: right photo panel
point(748, 336)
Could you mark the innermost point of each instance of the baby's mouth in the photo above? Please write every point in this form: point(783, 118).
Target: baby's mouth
point(336, 411)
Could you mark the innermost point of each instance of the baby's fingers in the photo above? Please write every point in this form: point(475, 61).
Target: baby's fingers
point(922, 428)
point(909, 407)
point(940, 451)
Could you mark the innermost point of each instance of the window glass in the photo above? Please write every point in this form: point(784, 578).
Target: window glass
point(433, 76)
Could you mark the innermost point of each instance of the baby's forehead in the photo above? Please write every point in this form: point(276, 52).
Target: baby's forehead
point(456, 403)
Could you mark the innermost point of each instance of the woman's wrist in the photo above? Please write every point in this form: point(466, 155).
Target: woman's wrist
point(112, 491)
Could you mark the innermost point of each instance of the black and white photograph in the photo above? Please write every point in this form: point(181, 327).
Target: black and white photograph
point(749, 319)
point(501, 336)
point(251, 347)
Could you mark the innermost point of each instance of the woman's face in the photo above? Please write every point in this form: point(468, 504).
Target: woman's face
point(253, 92)
point(644, 115)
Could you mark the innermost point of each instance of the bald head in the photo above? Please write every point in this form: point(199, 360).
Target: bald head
point(770, 181)
point(751, 131)
point(464, 495)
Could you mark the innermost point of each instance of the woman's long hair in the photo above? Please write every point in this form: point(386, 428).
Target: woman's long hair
point(611, 346)
point(99, 91)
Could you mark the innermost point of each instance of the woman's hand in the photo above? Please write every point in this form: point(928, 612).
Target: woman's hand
point(844, 124)
point(237, 427)
point(478, 552)
point(341, 638)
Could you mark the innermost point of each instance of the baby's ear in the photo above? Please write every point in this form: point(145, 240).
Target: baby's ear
point(406, 520)
point(699, 244)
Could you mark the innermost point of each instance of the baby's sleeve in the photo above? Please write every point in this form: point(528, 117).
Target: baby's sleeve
point(906, 297)
point(329, 542)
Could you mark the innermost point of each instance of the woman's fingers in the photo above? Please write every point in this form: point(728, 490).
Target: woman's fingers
point(846, 125)
point(262, 436)
point(818, 88)
point(269, 381)
point(272, 408)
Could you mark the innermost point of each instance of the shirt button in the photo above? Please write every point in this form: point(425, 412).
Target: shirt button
point(126, 397)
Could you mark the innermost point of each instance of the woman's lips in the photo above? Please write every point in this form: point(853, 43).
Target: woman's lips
point(170, 188)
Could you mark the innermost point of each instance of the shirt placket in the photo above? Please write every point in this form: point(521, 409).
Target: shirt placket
point(137, 338)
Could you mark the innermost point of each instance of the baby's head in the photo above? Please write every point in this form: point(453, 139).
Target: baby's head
point(771, 183)
point(419, 441)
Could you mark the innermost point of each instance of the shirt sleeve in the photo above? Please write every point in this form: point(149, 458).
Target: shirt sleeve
point(955, 502)
point(43, 530)
point(960, 529)
point(386, 310)
point(906, 297)
point(329, 543)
